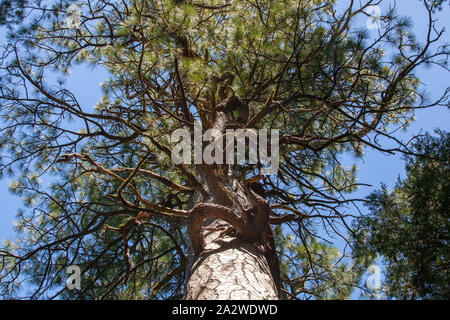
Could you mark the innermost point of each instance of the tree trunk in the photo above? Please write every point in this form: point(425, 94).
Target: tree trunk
point(232, 253)
point(231, 270)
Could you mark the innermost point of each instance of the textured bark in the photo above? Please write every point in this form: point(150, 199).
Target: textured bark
point(236, 271)
point(232, 257)
point(232, 253)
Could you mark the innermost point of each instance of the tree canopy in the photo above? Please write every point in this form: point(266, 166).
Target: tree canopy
point(409, 226)
point(117, 205)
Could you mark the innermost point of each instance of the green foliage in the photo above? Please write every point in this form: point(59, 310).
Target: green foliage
point(410, 225)
point(333, 90)
point(11, 11)
point(316, 269)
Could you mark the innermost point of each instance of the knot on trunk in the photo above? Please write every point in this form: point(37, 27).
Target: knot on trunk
point(250, 225)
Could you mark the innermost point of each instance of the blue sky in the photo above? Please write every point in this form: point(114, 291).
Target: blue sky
point(373, 169)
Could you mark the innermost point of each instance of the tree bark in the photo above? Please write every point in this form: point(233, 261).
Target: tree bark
point(232, 253)
point(235, 271)
point(231, 257)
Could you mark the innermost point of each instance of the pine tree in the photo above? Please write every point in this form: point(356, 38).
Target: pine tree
point(409, 226)
point(141, 226)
